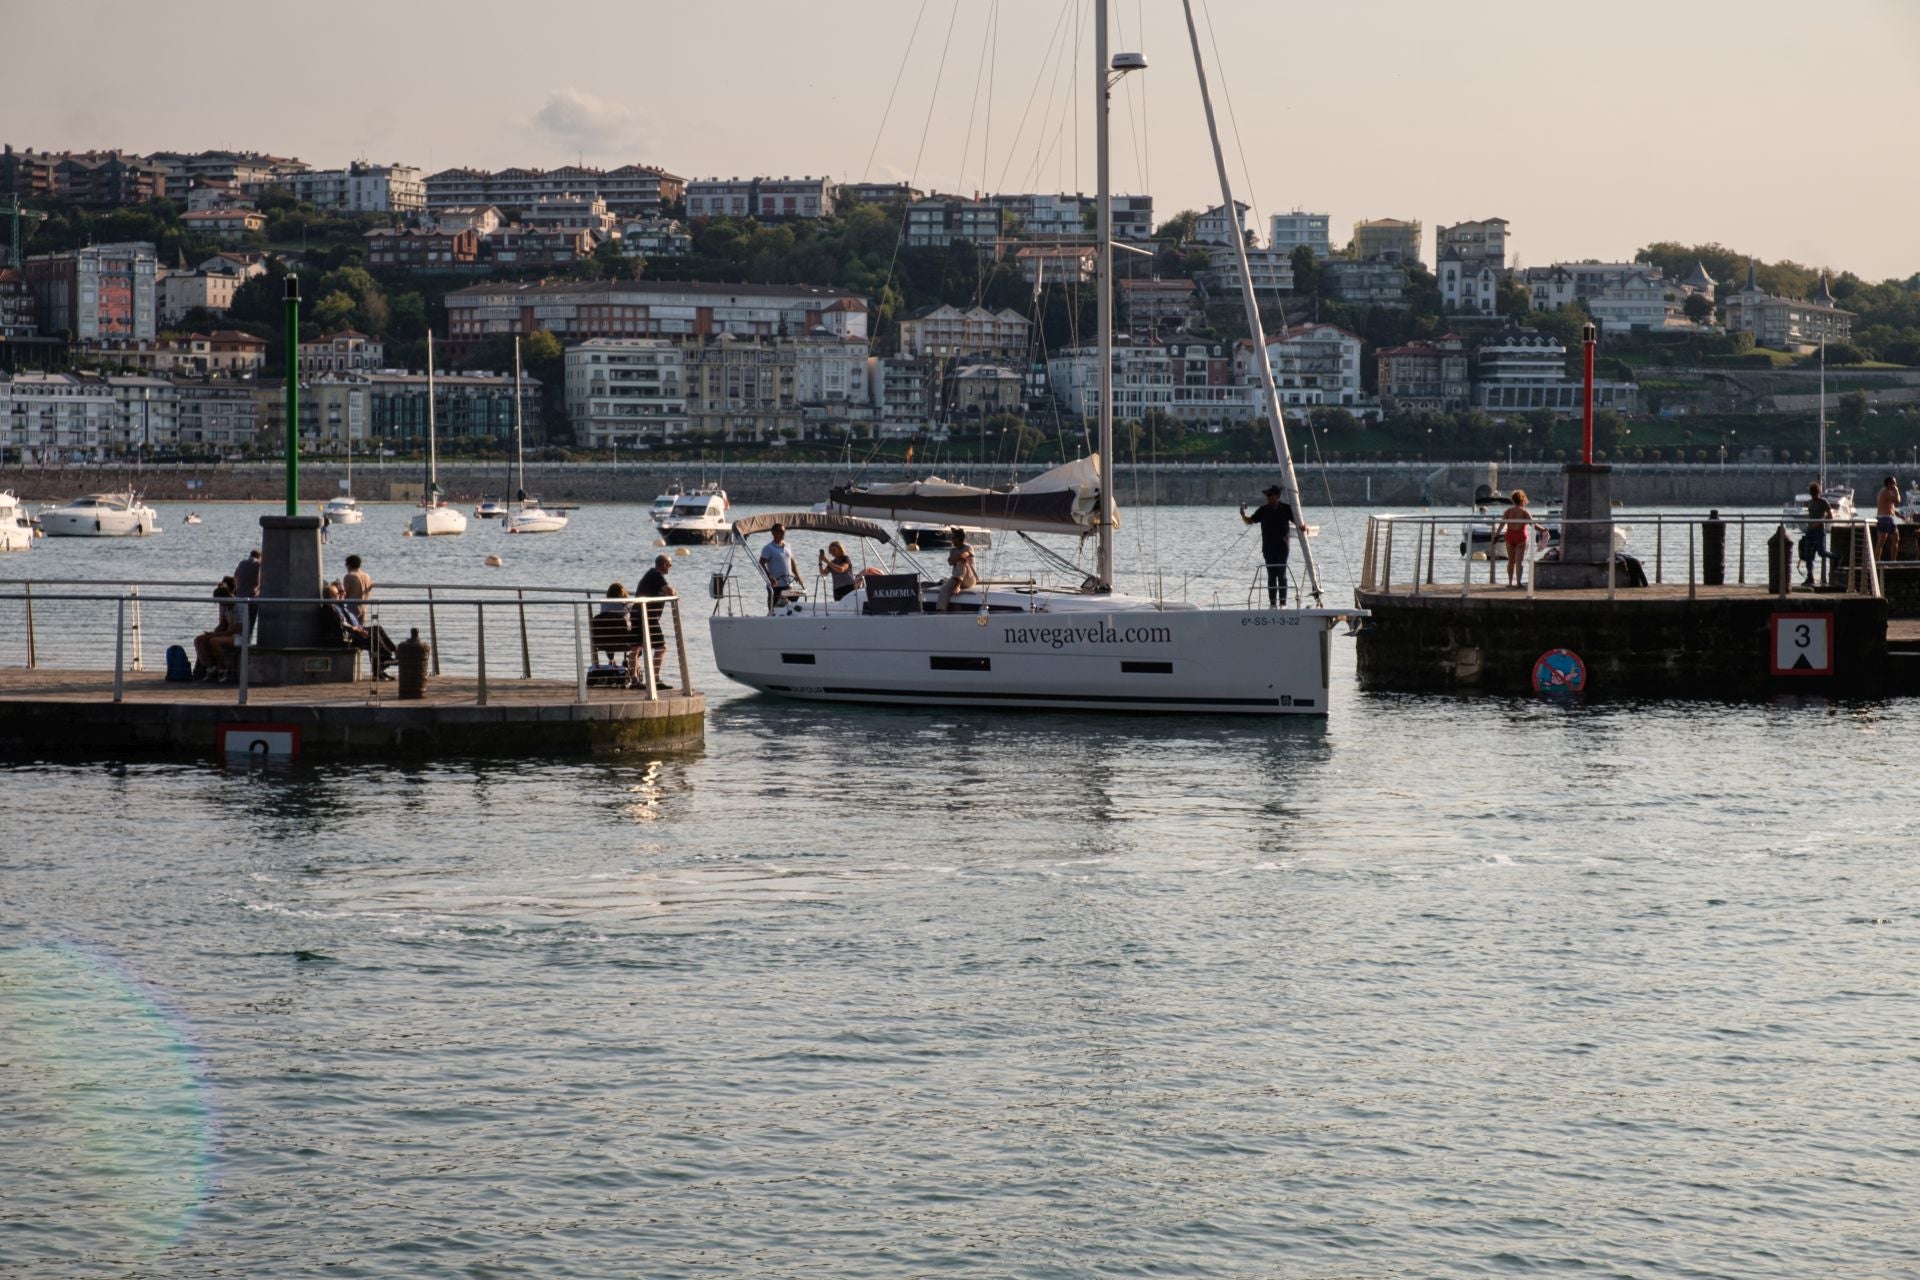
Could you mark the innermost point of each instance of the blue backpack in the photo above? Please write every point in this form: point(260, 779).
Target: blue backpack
point(179, 670)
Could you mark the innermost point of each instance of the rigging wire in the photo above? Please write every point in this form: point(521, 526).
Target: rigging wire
point(1014, 146)
point(897, 76)
point(973, 109)
point(1233, 119)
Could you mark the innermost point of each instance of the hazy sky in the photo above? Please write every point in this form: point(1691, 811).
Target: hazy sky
point(1776, 127)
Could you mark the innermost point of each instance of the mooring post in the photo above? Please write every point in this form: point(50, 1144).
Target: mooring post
point(245, 646)
point(1743, 551)
point(1693, 590)
point(1386, 574)
point(647, 625)
point(526, 655)
point(32, 658)
point(433, 632)
point(680, 644)
point(480, 649)
point(1660, 548)
point(579, 656)
point(119, 646)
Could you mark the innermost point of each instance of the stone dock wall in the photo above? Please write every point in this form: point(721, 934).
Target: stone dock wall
point(802, 484)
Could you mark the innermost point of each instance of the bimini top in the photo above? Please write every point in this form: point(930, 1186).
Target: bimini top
point(813, 521)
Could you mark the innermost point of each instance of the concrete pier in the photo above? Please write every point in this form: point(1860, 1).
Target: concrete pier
point(53, 713)
point(1668, 641)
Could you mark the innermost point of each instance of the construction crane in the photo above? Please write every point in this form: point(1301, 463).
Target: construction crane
point(31, 215)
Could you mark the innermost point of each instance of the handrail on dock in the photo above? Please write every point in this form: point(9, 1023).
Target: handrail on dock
point(1420, 569)
point(562, 620)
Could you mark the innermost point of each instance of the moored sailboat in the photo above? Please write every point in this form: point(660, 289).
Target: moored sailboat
point(526, 515)
point(435, 519)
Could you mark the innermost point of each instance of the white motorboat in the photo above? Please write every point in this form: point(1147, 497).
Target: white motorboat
point(435, 519)
point(490, 509)
point(101, 515)
point(193, 517)
point(697, 520)
point(343, 509)
point(16, 526)
point(663, 505)
point(1081, 646)
point(526, 515)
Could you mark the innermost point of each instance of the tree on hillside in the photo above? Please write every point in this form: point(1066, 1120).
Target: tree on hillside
point(1513, 298)
point(1853, 411)
point(1179, 228)
point(1698, 308)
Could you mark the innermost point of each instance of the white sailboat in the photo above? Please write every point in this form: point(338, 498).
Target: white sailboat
point(343, 509)
point(1079, 646)
point(526, 515)
point(435, 519)
point(1794, 513)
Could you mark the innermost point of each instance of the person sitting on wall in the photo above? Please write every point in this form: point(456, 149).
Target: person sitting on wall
point(371, 637)
point(213, 650)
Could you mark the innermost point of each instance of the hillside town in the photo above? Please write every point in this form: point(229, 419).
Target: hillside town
point(139, 302)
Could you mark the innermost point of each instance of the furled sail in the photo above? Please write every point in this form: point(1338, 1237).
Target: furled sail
point(1063, 500)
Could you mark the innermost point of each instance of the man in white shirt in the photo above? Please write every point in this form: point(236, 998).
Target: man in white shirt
point(776, 561)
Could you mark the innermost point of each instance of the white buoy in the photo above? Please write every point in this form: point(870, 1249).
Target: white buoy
point(680, 551)
point(659, 542)
point(494, 562)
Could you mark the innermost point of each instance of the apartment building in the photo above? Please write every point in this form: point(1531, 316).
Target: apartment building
point(1214, 227)
point(210, 286)
point(633, 190)
point(1132, 218)
point(655, 238)
point(720, 198)
point(1299, 229)
point(623, 392)
point(520, 247)
point(224, 351)
point(358, 188)
point(481, 219)
point(1468, 287)
point(1043, 216)
point(680, 311)
point(1565, 283)
point(466, 406)
point(1152, 306)
point(784, 198)
point(946, 331)
point(1271, 269)
point(216, 414)
point(1477, 243)
point(55, 417)
point(1785, 324)
point(571, 213)
point(1394, 239)
point(233, 169)
point(1313, 365)
point(1375, 282)
point(1191, 380)
point(1433, 376)
point(1519, 369)
point(938, 222)
point(19, 308)
point(415, 250)
point(1056, 263)
point(207, 193)
point(229, 225)
point(97, 179)
point(104, 291)
point(347, 351)
point(1638, 302)
point(877, 193)
point(901, 387)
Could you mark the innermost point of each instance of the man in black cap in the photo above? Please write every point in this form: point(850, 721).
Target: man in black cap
point(1275, 519)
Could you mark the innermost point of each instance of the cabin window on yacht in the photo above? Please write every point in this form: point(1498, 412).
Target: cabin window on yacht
point(798, 659)
point(1146, 668)
point(939, 663)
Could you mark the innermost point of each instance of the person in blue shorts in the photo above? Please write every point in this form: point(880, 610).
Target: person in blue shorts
point(1885, 537)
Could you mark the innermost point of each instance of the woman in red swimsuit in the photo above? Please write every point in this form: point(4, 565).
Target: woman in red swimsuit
point(1518, 523)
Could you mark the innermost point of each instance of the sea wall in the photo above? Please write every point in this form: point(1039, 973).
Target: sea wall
point(801, 484)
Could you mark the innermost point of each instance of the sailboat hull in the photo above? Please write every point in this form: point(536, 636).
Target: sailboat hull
point(1209, 661)
point(440, 522)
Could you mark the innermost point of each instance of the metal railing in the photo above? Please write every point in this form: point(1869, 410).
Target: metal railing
point(1434, 554)
point(98, 625)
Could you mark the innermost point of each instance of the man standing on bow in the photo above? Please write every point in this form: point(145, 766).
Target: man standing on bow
point(1275, 519)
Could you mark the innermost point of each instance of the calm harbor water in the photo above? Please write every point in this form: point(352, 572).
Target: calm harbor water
point(1436, 987)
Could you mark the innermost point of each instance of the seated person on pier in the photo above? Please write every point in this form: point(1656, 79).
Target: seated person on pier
point(213, 650)
point(369, 636)
point(612, 627)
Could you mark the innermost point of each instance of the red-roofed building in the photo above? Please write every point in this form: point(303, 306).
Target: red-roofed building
point(1432, 376)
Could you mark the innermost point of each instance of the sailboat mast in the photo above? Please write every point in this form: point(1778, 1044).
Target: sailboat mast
point(433, 460)
point(519, 450)
point(1103, 288)
point(1289, 485)
point(1823, 413)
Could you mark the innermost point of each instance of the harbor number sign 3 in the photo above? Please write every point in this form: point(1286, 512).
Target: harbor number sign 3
point(1803, 644)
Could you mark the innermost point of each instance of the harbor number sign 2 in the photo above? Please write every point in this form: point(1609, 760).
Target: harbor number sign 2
point(1803, 644)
